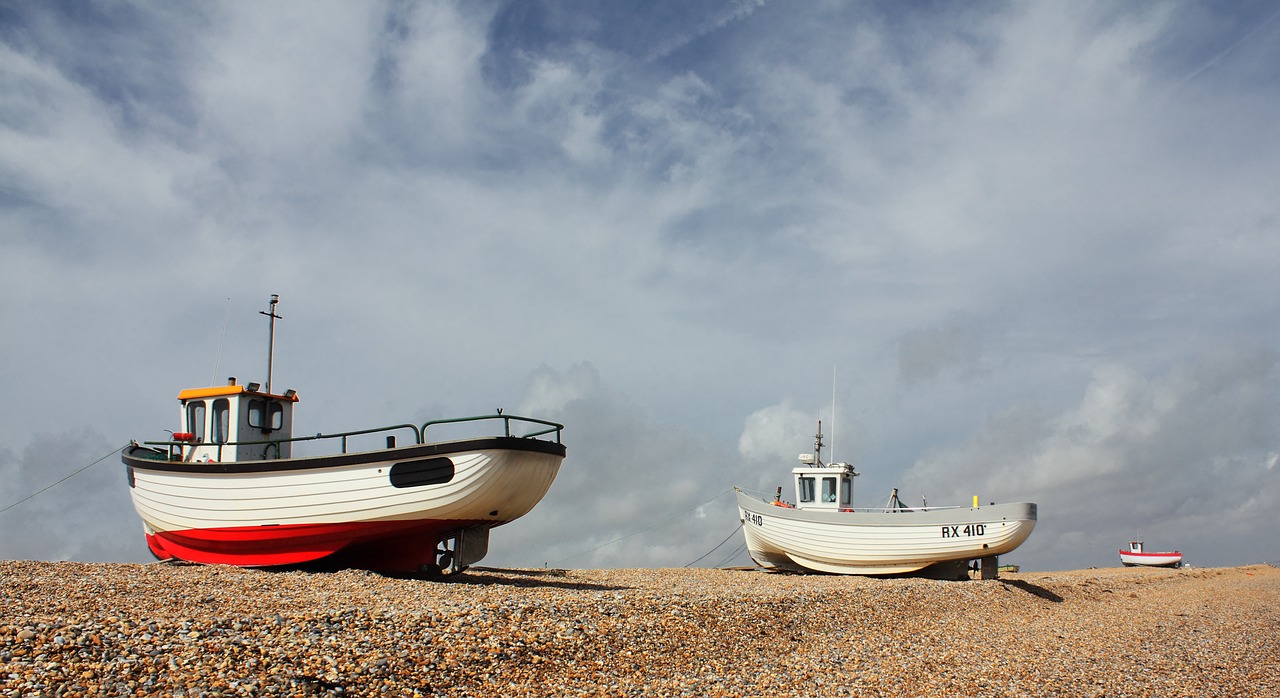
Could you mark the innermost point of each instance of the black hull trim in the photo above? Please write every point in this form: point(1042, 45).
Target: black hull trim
point(132, 456)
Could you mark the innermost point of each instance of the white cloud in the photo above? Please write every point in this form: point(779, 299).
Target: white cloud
point(551, 392)
point(69, 158)
point(1183, 456)
point(1012, 228)
point(773, 434)
point(286, 81)
point(631, 493)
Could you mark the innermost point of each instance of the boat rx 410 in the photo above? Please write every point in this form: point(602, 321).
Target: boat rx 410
point(823, 532)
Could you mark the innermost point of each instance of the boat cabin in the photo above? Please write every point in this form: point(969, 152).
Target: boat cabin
point(1135, 546)
point(821, 486)
point(236, 422)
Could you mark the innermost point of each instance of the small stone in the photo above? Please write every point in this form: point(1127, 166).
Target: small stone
point(634, 632)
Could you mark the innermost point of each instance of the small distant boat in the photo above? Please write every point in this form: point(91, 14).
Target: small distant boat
point(1135, 556)
point(823, 532)
point(227, 489)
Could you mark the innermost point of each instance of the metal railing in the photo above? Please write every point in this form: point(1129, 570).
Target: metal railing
point(769, 498)
point(507, 419)
point(419, 434)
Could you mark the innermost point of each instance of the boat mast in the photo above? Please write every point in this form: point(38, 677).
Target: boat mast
point(271, 337)
point(817, 446)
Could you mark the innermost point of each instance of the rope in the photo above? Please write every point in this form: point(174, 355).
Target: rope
point(59, 482)
point(741, 548)
point(646, 528)
point(726, 540)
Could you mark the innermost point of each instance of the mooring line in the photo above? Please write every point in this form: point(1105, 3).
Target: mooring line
point(646, 528)
point(726, 540)
point(738, 551)
point(59, 482)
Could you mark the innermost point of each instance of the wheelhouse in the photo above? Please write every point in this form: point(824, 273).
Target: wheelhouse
point(235, 422)
point(820, 486)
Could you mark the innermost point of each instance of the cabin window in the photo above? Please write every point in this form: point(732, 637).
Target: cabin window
point(829, 489)
point(266, 415)
point(195, 419)
point(806, 489)
point(221, 420)
point(846, 491)
point(257, 413)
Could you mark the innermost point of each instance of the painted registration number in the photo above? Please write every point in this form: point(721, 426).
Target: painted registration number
point(968, 531)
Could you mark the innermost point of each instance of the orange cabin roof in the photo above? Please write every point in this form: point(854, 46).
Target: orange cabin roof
point(221, 390)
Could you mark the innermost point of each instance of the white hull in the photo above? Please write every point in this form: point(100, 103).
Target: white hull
point(508, 482)
point(875, 543)
point(1150, 559)
point(226, 489)
point(384, 509)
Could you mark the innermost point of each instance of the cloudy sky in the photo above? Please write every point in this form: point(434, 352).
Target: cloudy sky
point(1025, 251)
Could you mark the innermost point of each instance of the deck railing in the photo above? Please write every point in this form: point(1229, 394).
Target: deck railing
point(507, 419)
point(419, 434)
point(769, 498)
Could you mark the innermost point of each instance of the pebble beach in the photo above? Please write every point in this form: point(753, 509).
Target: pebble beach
point(80, 629)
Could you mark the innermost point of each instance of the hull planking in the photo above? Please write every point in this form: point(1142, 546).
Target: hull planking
point(879, 543)
point(382, 510)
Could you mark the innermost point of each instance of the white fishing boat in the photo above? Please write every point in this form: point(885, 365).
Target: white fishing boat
point(1135, 556)
point(823, 532)
point(227, 489)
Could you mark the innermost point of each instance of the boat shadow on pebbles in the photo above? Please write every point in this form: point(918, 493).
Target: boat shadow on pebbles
point(1032, 589)
point(529, 579)
point(472, 576)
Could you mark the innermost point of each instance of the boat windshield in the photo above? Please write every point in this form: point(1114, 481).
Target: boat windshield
point(195, 419)
point(221, 420)
point(806, 489)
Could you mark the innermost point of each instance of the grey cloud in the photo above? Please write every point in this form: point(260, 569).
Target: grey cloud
point(982, 214)
point(1185, 457)
point(68, 515)
point(925, 354)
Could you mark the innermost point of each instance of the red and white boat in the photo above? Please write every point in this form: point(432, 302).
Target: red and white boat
point(228, 490)
point(1136, 556)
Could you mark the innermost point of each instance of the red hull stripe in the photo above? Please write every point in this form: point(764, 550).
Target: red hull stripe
point(376, 545)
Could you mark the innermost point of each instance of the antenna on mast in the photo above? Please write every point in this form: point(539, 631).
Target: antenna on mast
point(832, 451)
point(218, 358)
point(271, 338)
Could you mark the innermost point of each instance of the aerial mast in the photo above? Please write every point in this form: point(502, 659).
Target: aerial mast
point(271, 338)
point(832, 452)
point(817, 445)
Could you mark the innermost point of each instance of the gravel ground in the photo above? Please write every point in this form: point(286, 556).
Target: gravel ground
point(111, 629)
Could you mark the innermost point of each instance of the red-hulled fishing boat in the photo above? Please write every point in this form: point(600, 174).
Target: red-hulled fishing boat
point(1135, 556)
point(227, 489)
